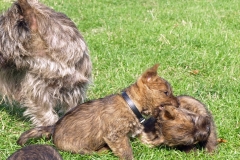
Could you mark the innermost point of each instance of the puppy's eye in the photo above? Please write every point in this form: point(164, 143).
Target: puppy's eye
point(166, 93)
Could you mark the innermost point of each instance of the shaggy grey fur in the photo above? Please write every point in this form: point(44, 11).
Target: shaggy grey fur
point(44, 60)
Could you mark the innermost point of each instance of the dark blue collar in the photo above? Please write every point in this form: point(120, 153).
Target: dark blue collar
point(146, 123)
point(133, 107)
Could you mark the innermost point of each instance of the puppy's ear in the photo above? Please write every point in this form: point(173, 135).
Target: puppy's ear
point(28, 14)
point(150, 74)
point(169, 113)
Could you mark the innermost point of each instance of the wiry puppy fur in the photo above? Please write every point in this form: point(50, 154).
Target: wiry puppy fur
point(36, 152)
point(108, 121)
point(44, 61)
point(184, 127)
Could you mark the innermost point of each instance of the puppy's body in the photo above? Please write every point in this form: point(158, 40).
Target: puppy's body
point(36, 152)
point(183, 127)
point(44, 61)
point(108, 121)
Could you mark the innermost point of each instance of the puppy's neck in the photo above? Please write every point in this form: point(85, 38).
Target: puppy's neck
point(134, 96)
point(133, 107)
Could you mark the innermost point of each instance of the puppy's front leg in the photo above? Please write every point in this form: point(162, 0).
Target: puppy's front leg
point(120, 147)
point(157, 141)
point(151, 139)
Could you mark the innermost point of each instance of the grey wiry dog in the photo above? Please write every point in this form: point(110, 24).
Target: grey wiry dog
point(183, 127)
point(109, 121)
point(44, 61)
point(36, 152)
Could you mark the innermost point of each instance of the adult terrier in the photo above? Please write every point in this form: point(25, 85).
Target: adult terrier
point(44, 60)
point(108, 122)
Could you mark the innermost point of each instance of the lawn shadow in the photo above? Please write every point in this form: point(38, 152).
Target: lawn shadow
point(191, 149)
point(14, 110)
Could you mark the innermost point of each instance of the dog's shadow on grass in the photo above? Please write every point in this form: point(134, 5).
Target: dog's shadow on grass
point(14, 110)
point(192, 149)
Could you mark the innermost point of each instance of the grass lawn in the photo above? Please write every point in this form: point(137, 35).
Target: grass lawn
point(197, 44)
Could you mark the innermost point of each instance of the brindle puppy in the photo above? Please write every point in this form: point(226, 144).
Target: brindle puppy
point(109, 121)
point(183, 127)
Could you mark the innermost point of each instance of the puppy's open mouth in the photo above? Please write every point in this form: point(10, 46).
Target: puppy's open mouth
point(161, 107)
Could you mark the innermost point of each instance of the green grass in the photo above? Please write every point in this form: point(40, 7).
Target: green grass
point(126, 37)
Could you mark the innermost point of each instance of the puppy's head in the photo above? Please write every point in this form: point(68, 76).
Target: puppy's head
point(176, 126)
point(181, 127)
point(155, 90)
